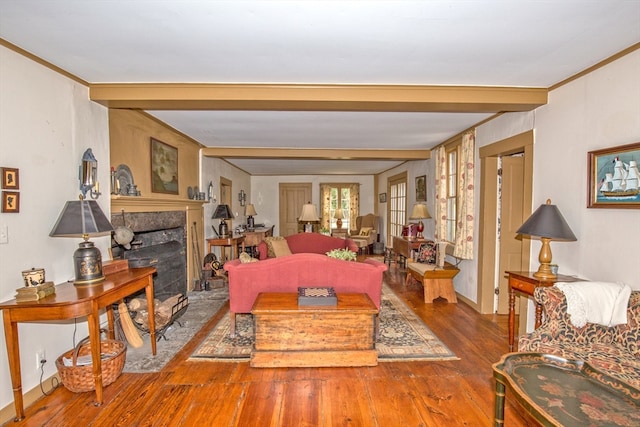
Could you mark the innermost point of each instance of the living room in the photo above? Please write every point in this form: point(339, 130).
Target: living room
point(47, 121)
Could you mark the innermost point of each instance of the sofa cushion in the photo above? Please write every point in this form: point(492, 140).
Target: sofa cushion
point(427, 253)
point(269, 241)
point(245, 258)
point(280, 248)
point(365, 231)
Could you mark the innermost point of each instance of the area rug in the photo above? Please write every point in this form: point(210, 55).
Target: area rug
point(202, 306)
point(403, 337)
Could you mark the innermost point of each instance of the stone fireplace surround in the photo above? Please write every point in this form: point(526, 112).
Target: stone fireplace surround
point(160, 240)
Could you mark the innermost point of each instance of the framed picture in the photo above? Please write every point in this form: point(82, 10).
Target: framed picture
point(10, 179)
point(613, 177)
point(10, 202)
point(382, 197)
point(421, 188)
point(164, 168)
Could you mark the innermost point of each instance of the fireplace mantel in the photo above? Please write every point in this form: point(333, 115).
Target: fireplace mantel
point(195, 214)
point(150, 204)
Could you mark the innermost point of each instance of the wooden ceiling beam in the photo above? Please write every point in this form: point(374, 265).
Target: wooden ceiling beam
point(314, 153)
point(287, 97)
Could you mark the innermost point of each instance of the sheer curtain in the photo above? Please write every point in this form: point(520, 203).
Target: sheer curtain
point(465, 220)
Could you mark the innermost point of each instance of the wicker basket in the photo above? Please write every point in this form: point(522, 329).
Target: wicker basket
point(79, 379)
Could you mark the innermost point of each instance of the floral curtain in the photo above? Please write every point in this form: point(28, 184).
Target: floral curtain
point(354, 204)
point(465, 221)
point(441, 194)
point(325, 206)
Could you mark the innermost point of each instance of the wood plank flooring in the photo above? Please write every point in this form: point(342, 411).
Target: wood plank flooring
point(186, 393)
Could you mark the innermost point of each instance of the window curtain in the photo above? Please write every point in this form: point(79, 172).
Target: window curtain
point(325, 203)
point(465, 222)
point(325, 206)
point(441, 194)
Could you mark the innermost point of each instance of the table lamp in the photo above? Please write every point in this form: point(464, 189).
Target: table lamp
point(84, 218)
point(338, 215)
point(250, 212)
point(548, 224)
point(223, 212)
point(308, 215)
point(420, 212)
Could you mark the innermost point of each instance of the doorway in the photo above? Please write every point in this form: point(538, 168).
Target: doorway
point(292, 197)
point(502, 209)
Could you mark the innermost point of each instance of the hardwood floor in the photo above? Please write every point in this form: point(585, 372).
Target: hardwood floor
point(186, 393)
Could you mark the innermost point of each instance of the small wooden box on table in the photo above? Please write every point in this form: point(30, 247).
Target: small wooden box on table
point(288, 335)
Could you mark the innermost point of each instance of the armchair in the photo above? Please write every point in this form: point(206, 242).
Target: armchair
point(366, 232)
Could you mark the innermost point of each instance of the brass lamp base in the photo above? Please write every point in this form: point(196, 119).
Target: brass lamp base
point(544, 272)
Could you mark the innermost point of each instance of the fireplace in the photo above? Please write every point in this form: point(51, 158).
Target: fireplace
point(160, 240)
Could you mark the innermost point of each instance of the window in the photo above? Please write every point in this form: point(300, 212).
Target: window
point(339, 197)
point(452, 193)
point(397, 204)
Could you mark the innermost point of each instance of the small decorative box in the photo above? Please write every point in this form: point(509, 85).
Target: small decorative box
point(317, 296)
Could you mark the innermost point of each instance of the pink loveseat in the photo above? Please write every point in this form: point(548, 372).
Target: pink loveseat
point(312, 243)
point(287, 273)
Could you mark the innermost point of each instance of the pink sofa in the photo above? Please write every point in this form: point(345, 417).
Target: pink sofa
point(312, 243)
point(287, 273)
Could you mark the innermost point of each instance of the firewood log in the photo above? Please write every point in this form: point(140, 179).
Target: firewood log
point(133, 337)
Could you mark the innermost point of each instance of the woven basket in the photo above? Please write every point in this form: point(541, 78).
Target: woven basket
point(79, 379)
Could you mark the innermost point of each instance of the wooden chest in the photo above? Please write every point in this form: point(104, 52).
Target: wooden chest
point(288, 335)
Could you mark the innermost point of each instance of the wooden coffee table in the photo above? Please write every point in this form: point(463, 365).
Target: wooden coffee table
point(561, 392)
point(288, 335)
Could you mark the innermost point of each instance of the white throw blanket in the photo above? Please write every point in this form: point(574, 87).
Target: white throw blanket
point(603, 303)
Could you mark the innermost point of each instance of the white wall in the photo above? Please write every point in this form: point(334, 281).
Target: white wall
point(265, 193)
point(46, 124)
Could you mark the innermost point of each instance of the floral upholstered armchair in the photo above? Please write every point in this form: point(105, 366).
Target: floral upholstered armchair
point(366, 232)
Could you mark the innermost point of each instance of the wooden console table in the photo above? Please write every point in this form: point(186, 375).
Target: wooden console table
point(70, 302)
point(525, 282)
point(405, 247)
point(289, 335)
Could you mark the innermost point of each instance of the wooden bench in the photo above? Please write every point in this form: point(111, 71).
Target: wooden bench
point(436, 281)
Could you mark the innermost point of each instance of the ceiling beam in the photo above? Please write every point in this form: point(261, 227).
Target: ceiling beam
point(289, 97)
point(314, 153)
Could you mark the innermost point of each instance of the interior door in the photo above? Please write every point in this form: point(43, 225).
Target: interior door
point(511, 218)
point(292, 197)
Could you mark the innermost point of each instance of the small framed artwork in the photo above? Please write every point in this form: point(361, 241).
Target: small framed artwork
point(10, 202)
point(164, 167)
point(421, 188)
point(382, 197)
point(613, 177)
point(10, 179)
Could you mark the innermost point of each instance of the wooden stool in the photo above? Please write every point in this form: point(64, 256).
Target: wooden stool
point(437, 282)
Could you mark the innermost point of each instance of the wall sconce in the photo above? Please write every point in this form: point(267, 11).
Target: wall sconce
point(242, 197)
point(89, 176)
point(212, 198)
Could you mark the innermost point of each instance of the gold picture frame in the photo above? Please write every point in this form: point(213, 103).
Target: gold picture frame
point(421, 188)
point(10, 179)
point(613, 178)
point(164, 168)
point(10, 202)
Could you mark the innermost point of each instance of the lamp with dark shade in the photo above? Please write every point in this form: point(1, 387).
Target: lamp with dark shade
point(548, 224)
point(223, 212)
point(250, 212)
point(309, 215)
point(420, 212)
point(84, 218)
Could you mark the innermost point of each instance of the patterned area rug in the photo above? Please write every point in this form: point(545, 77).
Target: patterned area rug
point(403, 337)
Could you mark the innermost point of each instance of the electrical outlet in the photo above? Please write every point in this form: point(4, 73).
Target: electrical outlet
point(4, 234)
point(41, 359)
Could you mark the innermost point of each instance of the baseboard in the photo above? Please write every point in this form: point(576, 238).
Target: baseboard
point(8, 413)
point(467, 301)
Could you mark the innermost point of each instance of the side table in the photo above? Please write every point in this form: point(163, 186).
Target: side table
point(342, 233)
point(234, 242)
point(526, 283)
point(71, 302)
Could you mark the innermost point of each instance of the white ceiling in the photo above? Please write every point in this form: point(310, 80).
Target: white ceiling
point(527, 43)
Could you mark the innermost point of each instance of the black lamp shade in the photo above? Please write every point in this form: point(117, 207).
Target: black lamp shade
point(84, 218)
point(222, 213)
point(547, 221)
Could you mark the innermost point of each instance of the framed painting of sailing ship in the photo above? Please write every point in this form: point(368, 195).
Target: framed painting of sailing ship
point(614, 180)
